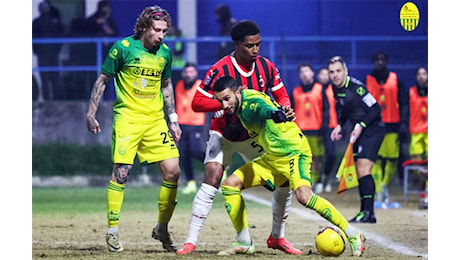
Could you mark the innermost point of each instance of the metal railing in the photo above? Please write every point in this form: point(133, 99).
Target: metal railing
point(272, 51)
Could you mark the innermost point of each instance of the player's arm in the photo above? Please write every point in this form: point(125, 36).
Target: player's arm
point(279, 93)
point(336, 133)
point(170, 108)
point(96, 94)
point(203, 100)
point(278, 90)
point(261, 110)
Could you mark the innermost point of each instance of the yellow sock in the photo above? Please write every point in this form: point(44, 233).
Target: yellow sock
point(390, 169)
point(115, 194)
point(235, 206)
point(377, 175)
point(166, 201)
point(327, 211)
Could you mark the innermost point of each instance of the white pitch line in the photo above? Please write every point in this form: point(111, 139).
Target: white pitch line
point(309, 215)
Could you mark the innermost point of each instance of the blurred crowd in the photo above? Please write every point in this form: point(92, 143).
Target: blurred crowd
point(50, 25)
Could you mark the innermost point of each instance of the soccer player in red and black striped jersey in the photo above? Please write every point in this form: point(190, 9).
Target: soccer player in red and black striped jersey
point(227, 136)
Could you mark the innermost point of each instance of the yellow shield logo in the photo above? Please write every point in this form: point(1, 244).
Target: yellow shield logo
point(409, 16)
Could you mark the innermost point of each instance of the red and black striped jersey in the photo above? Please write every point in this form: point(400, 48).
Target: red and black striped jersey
point(263, 76)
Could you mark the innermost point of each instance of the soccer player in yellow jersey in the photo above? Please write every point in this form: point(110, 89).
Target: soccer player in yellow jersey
point(287, 156)
point(141, 67)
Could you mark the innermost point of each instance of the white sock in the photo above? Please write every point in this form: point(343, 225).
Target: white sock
point(244, 237)
point(202, 205)
point(112, 230)
point(281, 203)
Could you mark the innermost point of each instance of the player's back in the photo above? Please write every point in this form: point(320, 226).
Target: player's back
point(276, 138)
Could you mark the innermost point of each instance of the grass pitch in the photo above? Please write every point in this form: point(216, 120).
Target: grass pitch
point(70, 223)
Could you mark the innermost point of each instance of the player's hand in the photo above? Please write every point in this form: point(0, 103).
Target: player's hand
point(336, 133)
point(356, 133)
point(93, 124)
point(289, 113)
point(278, 116)
point(219, 114)
point(175, 130)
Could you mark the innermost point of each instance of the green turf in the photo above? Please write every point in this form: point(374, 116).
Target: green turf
point(89, 200)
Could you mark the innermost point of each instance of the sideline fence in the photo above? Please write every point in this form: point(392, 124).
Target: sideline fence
point(406, 52)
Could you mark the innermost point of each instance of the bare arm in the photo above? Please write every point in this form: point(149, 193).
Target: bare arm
point(168, 96)
point(170, 108)
point(96, 94)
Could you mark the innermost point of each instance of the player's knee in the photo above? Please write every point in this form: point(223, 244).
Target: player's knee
point(233, 181)
point(303, 194)
point(170, 169)
point(172, 173)
point(213, 174)
point(121, 173)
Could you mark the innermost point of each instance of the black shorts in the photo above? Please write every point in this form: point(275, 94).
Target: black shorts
point(368, 144)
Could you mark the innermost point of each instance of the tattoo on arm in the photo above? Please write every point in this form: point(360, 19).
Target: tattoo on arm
point(168, 96)
point(96, 94)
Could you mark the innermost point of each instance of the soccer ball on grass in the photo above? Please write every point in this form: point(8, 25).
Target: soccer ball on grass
point(330, 241)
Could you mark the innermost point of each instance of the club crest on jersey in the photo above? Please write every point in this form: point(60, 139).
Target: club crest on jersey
point(261, 82)
point(113, 54)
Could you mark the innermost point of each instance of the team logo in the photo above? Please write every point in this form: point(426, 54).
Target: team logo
point(114, 53)
point(113, 215)
point(125, 43)
point(261, 81)
point(122, 149)
point(228, 207)
point(326, 213)
point(409, 16)
point(361, 91)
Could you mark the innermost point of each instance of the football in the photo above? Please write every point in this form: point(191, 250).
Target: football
point(330, 241)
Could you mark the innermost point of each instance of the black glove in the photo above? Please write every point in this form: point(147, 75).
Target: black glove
point(278, 116)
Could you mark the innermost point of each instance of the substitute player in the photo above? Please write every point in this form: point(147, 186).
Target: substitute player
point(311, 107)
point(356, 104)
point(227, 136)
point(287, 157)
point(418, 127)
point(141, 67)
point(391, 95)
